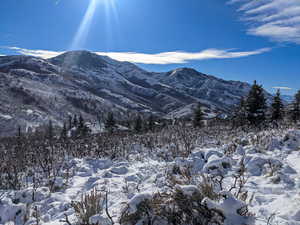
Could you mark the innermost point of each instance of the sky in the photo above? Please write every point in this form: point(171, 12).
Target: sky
point(242, 40)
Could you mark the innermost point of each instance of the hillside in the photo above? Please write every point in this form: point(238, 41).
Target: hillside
point(34, 90)
point(225, 176)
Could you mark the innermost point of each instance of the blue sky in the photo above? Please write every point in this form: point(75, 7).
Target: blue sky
point(231, 39)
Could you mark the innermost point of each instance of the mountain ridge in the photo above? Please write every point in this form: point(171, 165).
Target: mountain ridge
point(81, 82)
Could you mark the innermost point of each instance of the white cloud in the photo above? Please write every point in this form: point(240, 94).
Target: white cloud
point(176, 57)
point(278, 20)
point(38, 53)
point(283, 88)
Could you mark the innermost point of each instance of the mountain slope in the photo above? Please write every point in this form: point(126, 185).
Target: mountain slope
point(35, 90)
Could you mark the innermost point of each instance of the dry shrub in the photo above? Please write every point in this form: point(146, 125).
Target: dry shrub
point(91, 204)
point(176, 207)
point(207, 188)
point(144, 212)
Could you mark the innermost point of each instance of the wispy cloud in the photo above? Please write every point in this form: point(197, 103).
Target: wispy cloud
point(283, 88)
point(179, 57)
point(176, 57)
point(278, 20)
point(37, 53)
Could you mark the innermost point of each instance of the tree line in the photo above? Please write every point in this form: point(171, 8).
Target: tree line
point(253, 109)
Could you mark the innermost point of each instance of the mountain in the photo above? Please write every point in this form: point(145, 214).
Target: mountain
point(287, 98)
point(34, 90)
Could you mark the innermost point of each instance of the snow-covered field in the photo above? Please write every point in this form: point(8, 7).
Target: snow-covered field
point(270, 185)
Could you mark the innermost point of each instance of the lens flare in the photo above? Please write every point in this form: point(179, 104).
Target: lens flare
point(112, 22)
point(85, 25)
point(111, 15)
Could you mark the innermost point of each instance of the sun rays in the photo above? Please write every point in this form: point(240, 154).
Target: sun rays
point(111, 16)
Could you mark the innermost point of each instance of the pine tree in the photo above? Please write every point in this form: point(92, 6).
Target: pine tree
point(50, 132)
point(296, 108)
point(19, 135)
point(296, 112)
point(277, 107)
point(256, 105)
point(75, 121)
point(99, 118)
point(297, 97)
point(83, 129)
point(80, 123)
point(70, 122)
point(64, 132)
point(110, 122)
point(19, 138)
point(151, 123)
point(138, 124)
point(240, 114)
point(198, 117)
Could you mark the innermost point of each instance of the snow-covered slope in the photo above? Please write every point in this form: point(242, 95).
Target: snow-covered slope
point(287, 98)
point(81, 82)
point(270, 183)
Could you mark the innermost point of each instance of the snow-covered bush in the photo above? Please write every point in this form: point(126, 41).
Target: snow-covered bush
point(191, 176)
point(233, 210)
point(91, 204)
point(186, 204)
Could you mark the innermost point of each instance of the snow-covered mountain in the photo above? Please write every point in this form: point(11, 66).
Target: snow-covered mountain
point(288, 98)
point(34, 90)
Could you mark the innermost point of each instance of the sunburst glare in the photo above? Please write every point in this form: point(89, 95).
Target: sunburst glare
point(84, 28)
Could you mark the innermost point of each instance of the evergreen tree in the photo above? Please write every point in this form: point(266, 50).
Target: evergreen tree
point(256, 105)
point(151, 123)
point(50, 132)
point(99, 118)
point(75, 121)
point(70, 122)
point(198, 117)
point(64, 132)
point(240, 114)
point(81, 123)
point(83, 129)
point(110, 122)
point(138, 124)
point(277, 107)
point(297, 97)
point(128, 124)
point(19, 138)
point(296, 108)
point(296, 112)
point(19, 135)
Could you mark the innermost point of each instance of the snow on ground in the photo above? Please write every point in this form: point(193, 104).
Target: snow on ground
point(6, 117)
point(273, 181)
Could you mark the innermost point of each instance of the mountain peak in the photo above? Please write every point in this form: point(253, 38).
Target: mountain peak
point(81, 59)
point(184, 70)
point(185, 73)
